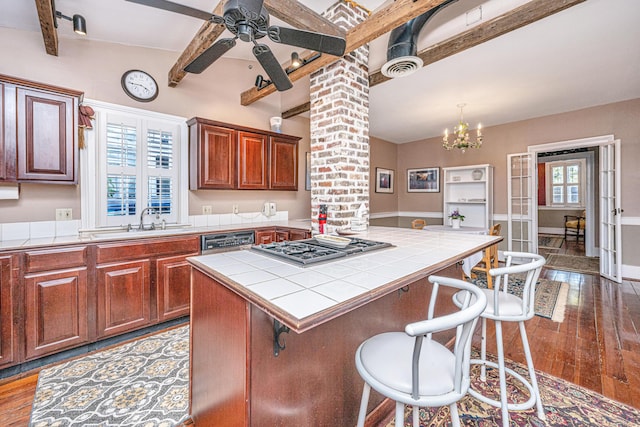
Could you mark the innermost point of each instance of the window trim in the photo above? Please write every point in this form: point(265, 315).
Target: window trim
point(90, 181)
point(582, 183)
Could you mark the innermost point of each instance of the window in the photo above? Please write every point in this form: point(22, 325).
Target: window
point(138, 158)
point(565, 183)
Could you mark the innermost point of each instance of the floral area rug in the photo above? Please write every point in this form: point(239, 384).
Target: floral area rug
point(550, 241)
point(565, 404)
point(579, 264)
point(550, 300)
point(140, 383)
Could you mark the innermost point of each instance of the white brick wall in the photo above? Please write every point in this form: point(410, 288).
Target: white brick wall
point(339, 119)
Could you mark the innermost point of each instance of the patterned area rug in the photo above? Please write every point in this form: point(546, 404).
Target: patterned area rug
point(140, 383)
point(565, 404)
point(551, 296)
point(579, 264)
point(550, 241)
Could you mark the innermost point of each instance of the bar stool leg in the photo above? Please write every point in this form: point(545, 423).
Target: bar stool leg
point(399, 414)
point(416, 416)
point(483, 350)
point(362, 415)
point(502, 374)
point(455, 418)
point(532, 372)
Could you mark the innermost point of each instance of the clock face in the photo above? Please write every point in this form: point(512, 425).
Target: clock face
point(139, 85)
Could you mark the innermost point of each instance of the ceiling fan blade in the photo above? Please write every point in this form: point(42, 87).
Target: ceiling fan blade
point(308, 40)
point(209, 56)
point(272, 67)
point(179, 8)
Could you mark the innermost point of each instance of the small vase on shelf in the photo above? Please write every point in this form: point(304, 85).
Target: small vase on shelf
point(455, 223)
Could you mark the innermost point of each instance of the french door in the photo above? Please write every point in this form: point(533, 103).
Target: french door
point(521, 225)
point(610, 212)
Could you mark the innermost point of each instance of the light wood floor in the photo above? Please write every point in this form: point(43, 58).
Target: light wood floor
point(597, 346)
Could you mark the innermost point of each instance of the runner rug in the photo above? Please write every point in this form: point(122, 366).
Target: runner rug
point(550, 300)
point(140, 383)
point(549, 241)
point(565, 404)
point(579, 264)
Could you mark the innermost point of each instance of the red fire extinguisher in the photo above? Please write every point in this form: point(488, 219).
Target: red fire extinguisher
point(322, 219)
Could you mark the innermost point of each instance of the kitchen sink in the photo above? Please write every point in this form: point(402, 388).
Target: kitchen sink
point(137, 234)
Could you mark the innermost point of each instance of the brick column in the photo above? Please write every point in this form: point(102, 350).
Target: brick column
point(339, 119)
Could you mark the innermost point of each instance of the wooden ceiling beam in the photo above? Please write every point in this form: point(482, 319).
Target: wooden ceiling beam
point(300, 16)
point(204, 38)
point(296, 110)
point(509, 21)
point(380, 22)
point(47, 18)
point(519, 17)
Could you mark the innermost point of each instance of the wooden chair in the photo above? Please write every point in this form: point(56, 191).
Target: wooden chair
point(575, 225)
point(418, 224)
point(489, 258)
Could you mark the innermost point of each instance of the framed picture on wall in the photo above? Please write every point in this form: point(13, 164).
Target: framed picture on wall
point(384, 180)
point(307, 172)
point(423, 180)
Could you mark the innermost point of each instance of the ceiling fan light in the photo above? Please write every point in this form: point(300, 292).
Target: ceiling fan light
point(79, 25)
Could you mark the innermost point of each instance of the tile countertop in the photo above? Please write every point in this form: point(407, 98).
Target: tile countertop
point(96, 236)
point(304, 297)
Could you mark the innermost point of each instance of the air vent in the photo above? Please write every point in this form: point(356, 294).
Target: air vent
point(400, 67)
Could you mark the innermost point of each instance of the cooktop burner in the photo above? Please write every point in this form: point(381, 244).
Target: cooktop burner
point(309, 251)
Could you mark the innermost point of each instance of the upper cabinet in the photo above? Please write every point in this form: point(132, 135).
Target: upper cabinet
point(225, 156)
point(39, 132)
point(469, 190)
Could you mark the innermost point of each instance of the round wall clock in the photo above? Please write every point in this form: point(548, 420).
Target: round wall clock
point(139, 85)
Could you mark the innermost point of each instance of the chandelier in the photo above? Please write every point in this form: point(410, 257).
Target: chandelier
point(461, 135)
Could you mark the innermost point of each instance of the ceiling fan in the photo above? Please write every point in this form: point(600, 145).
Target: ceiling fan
point(248, 21)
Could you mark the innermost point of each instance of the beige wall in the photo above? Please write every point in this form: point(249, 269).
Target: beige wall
point(383, 154)
point(96, 69)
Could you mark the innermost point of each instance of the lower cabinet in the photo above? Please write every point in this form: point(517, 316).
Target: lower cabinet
point(173, 286)
point(265, 236)
point(295, 234)
point(56, 311)
point(124, 302)
point(8, 345)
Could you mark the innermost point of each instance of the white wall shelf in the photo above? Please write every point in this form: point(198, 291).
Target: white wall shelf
point(470, 190)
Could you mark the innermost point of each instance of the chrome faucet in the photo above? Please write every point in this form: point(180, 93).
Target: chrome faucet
point(145, 210)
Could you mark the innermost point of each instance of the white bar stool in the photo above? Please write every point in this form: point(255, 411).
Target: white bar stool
point(505, 307)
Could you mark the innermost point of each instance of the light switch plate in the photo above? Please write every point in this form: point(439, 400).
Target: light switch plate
point(207, 210)
point(64, 214)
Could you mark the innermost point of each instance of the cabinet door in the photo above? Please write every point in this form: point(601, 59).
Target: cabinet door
point(252, 161)
point(46, 136)
point(282, 235)
point(284, 164)
point(56, 311)
point(7, 132)
point(173, 286)
point(299, 234)
point(213, 157)
point(265, 236)
point(7, 335)
point(123, 297)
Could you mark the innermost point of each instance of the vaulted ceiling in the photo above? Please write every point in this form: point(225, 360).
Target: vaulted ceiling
point(521, 59)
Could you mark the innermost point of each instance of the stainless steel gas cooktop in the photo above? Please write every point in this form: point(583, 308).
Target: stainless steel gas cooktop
point(311, 251)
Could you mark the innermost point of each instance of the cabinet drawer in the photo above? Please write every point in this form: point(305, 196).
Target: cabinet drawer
point(114, 252)
point(55, 259)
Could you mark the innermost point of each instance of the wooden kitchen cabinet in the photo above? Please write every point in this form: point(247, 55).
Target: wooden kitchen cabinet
point(39, 141)
point(296, 234)
point(56, 300)
point(284, 163)
point(8, 345)
point(226, 156)
point(252, 161)
point(265, 236)
point(212, 157)
point(124, 291)
point(173, 278)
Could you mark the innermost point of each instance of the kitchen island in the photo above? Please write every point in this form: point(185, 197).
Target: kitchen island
point(273, 343)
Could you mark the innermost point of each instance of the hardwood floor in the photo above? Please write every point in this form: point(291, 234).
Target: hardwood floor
point(597, 346)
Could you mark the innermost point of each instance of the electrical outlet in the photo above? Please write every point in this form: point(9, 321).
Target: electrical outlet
point(235, 209)
point(64, 214)
point(272, 208)
point(207, 210)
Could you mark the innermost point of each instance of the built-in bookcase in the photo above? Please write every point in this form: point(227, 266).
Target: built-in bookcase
point(469, 189)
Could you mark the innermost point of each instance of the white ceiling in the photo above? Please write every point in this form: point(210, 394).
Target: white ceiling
point(584, 56)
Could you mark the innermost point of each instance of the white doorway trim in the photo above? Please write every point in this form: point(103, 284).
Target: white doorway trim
point(590, 249)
